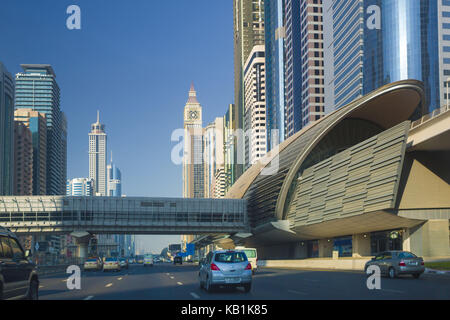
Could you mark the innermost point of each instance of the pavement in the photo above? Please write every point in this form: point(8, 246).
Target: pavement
point(169, 282)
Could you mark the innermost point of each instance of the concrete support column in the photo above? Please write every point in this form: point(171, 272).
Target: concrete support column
point(325, 248)
point(82, 241)
point(361, 245)
point(82, 250)
point(430, 239)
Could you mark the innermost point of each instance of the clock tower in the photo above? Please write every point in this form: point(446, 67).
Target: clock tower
point(193, 175)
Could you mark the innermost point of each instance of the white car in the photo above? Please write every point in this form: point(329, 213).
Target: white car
point(148, 261)
point(252, 256)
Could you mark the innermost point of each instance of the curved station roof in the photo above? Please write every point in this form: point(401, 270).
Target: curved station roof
point(346, 164)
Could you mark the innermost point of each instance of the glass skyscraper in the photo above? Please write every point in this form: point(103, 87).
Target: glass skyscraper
point(37, 89)
point(275, 99)
point(114, 177)
point(376, 42)
point(6, 131)
point(80, 187)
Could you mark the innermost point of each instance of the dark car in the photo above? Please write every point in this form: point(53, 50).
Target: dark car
point(18, 276)
point(177, 260)
point(395, 263)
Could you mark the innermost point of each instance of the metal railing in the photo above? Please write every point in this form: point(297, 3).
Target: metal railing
point(430, 116)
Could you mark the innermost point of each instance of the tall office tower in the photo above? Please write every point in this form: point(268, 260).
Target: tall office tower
point(38, 90)
point(378, 42)
point(114, 178)
point(248, 21)
point(444, 50)
point(6, 132)
point(193, 175)
point(37, 123)
point(80, 187)
point(97, 157)
point(213, 151)
point(275, 96)
point(218, 186)
point(255, 106)
point(229, 129)
point(23, 160)
point(304, 64)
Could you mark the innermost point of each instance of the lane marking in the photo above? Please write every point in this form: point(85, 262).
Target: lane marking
point(196, 296)
point(108, 285)
point(172, 277)
point(41, 287)
point(88, 298)
point(119, 278)
point(297, 292)
point(179, 283)
point(394, 291)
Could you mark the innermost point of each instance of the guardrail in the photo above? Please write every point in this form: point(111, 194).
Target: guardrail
point(46, 270)
point(430, 116)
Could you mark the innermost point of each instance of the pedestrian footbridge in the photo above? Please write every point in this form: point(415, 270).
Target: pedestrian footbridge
point(127, 215)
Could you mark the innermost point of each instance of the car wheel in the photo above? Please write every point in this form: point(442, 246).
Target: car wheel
point(247, 287)
point(416, 275)
point(33, 291)
point(392, 273)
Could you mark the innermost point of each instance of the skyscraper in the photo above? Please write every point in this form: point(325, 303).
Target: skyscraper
point(114, 178)
point(193, 175)
point(304, 64)
point(37, 89)
point(37, 123)
point(23, 160)
point(444, 49)
point(80, 187)
point(248, 20)
point(377, 42)
point(229, 130)
point(255, 106)
point(213, 151)
point(97, 157)
point(275, 97)
point(6, 131)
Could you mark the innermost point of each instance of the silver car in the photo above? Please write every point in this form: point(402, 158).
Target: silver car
point(225, 268)
point(394, 263)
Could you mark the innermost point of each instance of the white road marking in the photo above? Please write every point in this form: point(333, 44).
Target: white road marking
point(119, 278)
point(88, 298)
point(41, 286)
point(179, 283)
point(108, 285)
point(297, 292)
point(172, 277)
point(196, 296)
point(394, 291)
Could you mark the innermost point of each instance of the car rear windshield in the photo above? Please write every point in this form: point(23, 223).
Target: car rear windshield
point(91, 260)
point(230, 257)
point(111, 259)
point(406, 255)
point(250, 253)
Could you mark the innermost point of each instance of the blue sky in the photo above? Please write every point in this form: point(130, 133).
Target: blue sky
point(134, 61)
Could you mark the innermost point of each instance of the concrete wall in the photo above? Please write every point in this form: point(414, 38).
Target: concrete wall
point(340, 264)
point(325, 248)
point(430, 239)
point(361, 245)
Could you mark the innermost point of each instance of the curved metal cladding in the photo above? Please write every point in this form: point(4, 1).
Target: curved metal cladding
point(370, 115)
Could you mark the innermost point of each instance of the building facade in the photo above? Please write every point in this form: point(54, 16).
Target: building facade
point(38, 90)
point(193, 166)
point(23, 160)
point(80, 187)
point(275, 34)
point(255, 106)
point(213, 156)
point(229, 130)
point(114, 177)
point(6, 131)
point(444, 50)
point(97, 157)
point(36, 122)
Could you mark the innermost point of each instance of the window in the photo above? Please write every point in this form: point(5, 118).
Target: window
point(16, 249)
point(406, 255)
point(230, 257)
point(7, 251)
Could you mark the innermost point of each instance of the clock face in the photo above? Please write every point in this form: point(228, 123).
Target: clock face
point(193, 115)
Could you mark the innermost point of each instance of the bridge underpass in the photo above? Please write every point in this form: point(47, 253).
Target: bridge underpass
point(84, 216)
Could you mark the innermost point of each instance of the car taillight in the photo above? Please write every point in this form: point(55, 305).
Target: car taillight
point(214, 267)
point(402, 264)
point(248, 267)
point(422, 263)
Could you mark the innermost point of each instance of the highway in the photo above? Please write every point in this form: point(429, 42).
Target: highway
point(169, 282)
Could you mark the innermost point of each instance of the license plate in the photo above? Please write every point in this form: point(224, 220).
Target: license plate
point(413, 263)
point(232, 280)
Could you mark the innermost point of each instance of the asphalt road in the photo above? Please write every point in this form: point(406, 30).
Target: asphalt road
point(169, 282)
